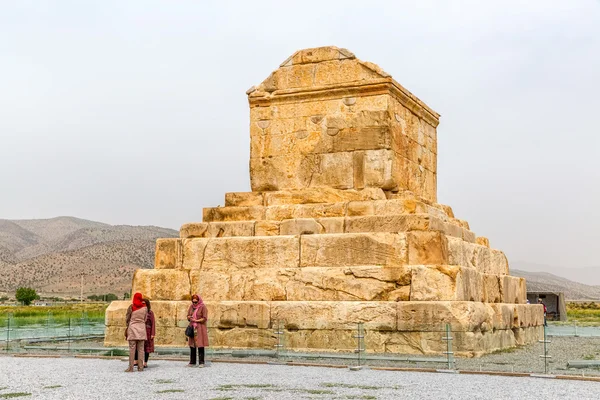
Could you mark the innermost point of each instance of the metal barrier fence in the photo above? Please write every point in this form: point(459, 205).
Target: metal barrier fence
point(556, 350)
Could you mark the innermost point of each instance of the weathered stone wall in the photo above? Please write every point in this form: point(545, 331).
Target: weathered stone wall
point(342, 226)
point(350, 126)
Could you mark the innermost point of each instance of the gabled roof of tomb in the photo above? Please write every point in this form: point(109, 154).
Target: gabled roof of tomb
point(326, 72)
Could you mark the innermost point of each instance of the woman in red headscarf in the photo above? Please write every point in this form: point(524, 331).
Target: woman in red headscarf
point(197, 315)
point(136, 331)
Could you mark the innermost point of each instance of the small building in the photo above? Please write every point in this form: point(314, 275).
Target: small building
point(556, 308)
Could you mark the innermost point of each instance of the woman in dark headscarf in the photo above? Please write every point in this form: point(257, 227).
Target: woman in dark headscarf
point(150, 333)
point(136, 330)
point(197, 315)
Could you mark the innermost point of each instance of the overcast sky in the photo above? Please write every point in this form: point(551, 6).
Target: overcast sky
point(134, 112)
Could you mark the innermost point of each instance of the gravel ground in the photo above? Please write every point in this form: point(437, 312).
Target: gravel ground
point(527, 358)
point(73, 378)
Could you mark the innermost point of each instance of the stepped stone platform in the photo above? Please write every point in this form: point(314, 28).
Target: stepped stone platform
point(342, 226)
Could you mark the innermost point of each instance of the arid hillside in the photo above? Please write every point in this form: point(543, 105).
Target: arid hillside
point(546, 282)
point(54, 255)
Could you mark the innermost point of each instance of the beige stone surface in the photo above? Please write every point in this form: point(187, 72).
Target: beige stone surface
point(446, 282)
point(229, 314)
point(353, 249)
point(321, 195)
point(335, 315)
point(301, 226)
point(426, 248)
point(491, 288)
point(327, 210)
point(162, 284)
point(217, 229)
point(251, 252)
point(167, 254)
point(267, 228)
point(387, 223)
point(193, 252)
point(233, 213)
point(243, 199)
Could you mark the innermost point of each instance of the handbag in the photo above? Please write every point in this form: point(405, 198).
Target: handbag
point(189, 331)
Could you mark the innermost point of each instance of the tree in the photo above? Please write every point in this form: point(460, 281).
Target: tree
point(26, 295)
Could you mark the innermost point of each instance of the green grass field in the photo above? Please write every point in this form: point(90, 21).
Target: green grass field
point(583, 313)
point(30, 315)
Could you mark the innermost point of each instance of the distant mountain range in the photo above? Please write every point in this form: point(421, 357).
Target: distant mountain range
point(545, 282)
point(52, 255)
point(587, 275)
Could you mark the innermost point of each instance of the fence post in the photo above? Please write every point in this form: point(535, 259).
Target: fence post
point(360, 346)
point(545, 356)
point(449, 353)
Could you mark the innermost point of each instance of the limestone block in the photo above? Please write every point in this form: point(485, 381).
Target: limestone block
point(359, 208)
point(301, 226)
point(259, 284)
point(396, 207)
point(193, 252)
point(266, 228)
point(165, 313)
point(242, 338)
point(434, 315)
point(233, 228)
point(346, 283)
point(405, 342)
point(252, 252)
point(193, 230)
point(170, 336)
point(334, 171)
point(233, 213)
point(462, 223)
point(491, 288)
point(353, 138)
point(456, 251)
point(498, 263)
point(513, 289)
point(482, 259)
point(468, 236)
point(181, 309)
point(162, 284)
point(335, 315)
point(503, 316)
point(445, 282)
point(243, 199)
point(279, 213)
point(115, 313)
point(228, 314)
point(387, 223)
point(483, 241)
point(351, 249)
point(426, 248)
point(168, 253)
point(444, 227)
point(447, 210)
point(114, 336)
point(282, 172)
point(469, 285)
point(299, 138)
point(332, 225)
point(218, 229)
point(400, 294)
point(378, 169)
point(321, 195)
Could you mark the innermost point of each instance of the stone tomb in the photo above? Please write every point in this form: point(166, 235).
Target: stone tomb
point(342, 226)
